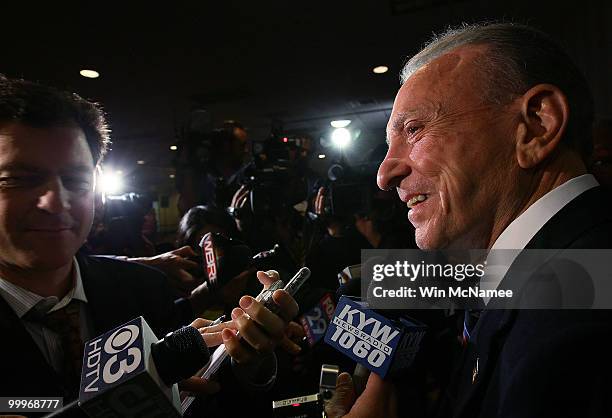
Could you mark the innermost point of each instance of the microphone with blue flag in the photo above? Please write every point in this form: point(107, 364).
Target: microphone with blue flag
point(384, 346)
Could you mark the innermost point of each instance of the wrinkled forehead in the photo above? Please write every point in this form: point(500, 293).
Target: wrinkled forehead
point(445, 79)
point(456, 65)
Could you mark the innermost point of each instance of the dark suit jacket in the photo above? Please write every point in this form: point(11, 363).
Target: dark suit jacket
point(116, 291)
point(543, 363)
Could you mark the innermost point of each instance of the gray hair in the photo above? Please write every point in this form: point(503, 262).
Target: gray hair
point(518, 58)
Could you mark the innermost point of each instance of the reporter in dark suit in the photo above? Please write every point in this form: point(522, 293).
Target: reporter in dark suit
point(488, 140)
point(107, 293)
point(52, 300)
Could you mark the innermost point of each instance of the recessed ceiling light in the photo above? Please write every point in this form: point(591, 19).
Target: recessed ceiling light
point(173, 147)
point(342, 123)
point(89, 73)
point(171, 176)
point(381, 69)
point(140, 162)
point(321, 156)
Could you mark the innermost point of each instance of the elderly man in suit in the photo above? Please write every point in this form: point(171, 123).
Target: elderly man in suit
point(488, 140)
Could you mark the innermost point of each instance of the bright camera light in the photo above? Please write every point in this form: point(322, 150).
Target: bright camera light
point(173, 147)
point(343, 123)
point(111, 183)
point(341, 137)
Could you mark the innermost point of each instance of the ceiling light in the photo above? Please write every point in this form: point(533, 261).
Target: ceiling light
point(140, 162)
point(321, 156)
point(341, 137)
point(381, 69)
point(173, 147)
point(343, 123)
point(89, 73)
point(171, 176)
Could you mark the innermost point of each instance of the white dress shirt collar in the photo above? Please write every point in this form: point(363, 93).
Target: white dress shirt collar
point(22, 300)
point(521, 230)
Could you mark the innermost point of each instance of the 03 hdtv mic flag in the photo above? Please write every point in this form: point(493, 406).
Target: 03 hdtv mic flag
point(119, 377)
point(384, 346)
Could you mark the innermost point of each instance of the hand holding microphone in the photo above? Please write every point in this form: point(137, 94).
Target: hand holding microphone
point(128, 372)
point(262, 329)
point(211, 334)
point(379, 399)
point(385, 346)
point(225, 264)
point(260, 321)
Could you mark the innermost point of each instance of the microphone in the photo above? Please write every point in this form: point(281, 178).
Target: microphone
point(317, 319)
point(128, 372)
point(224, 258)
point(384, 346)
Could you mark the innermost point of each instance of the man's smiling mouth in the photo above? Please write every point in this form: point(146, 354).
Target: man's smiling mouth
point(415, 200)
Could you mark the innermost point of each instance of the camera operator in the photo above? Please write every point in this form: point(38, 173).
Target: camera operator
point(268, 207)
point(209, 164)
point(125, 225)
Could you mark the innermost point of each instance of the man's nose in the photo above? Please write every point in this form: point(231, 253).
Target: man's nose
point(54, 198)
point(391, 172)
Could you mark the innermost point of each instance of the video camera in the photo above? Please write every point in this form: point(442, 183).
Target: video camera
point(274, 177)
point(272, 186)
point(350, 189)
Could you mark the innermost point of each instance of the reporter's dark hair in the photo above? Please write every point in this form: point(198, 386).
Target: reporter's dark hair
point(197, 218)
point(39, 106)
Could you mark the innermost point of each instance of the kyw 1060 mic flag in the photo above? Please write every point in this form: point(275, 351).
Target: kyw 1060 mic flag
point(386, 347)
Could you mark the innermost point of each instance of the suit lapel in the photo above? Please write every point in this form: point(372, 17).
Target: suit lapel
point(22, 349)
point(99, 287)
point(573, 220)
point(480, 357)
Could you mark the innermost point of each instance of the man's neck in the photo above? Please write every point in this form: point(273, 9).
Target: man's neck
point(57, 282)
point(565, 167)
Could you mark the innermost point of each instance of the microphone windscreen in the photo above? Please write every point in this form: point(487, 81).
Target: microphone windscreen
point(180, 354)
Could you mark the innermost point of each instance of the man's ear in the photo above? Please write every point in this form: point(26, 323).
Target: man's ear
point(544, 113)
